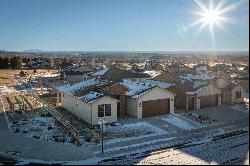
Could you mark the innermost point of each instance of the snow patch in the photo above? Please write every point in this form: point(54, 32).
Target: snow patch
point(239, 107)
point(4, 90)
point(178, 122)
point(101, 72)
point(132, 131)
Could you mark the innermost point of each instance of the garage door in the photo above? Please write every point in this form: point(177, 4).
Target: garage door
point(155, 107)
point(208, 101)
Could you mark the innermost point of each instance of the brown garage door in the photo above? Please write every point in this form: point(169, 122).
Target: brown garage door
point(155, 107)
point(208, 101)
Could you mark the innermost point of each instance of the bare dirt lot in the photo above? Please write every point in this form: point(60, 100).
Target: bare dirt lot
point(6, 74)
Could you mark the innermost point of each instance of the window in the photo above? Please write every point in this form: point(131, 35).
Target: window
point(104, 109)
point(238, 95)
point(100, 110)
point(107, 109)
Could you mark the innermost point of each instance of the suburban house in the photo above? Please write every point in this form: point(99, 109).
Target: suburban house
point(116, 74)
point(231, 93)
point(87, 101)
point(79, 74)
point(201, 68)
point(195, 92)
point(142, 99)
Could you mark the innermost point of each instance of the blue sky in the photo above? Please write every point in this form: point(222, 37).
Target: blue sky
point(116, 25)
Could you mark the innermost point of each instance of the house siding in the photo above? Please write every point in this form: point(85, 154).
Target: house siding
point(134, 106)
point(83, 110)
point(207, 91)
point(104, 100)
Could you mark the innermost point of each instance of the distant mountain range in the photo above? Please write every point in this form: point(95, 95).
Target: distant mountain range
point(130, 53)
point(33, 50)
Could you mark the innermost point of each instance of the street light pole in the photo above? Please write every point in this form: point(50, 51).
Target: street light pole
point(102, 138)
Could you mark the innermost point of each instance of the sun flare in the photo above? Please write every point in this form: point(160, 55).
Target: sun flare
point(212, 16)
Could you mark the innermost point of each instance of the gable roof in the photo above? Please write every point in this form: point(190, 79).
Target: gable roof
point(196, 90)
point(192, 77)
point(91, 97)
point(136, 89)
point(232, 86)
point(101, 72)
point(116, 74)
point(71, 89)
point(160, 84)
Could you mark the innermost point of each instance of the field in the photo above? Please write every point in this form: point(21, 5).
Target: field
point(7, 74)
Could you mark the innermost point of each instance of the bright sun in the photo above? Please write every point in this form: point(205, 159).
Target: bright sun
point(211, 16)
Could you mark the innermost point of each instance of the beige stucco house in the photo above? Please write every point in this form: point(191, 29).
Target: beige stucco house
point(88, 105)
point(142, 99)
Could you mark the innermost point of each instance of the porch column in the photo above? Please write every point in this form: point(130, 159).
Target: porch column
point(187, 103)
point(122, 105)
point(219, 99)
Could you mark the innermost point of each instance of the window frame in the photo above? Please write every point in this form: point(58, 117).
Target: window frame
point(103, 111)
point(109, 111)
point(238, 95)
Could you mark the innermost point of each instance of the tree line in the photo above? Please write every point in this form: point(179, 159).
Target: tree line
point(14, 62)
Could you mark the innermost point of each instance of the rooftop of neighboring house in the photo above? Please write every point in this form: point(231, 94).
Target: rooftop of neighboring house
point(91, 97)
point(201, 68)
point(152, 73)
point(136, 89)
point(84, 85)
point(192, 77)
point(101, 72)
point(79, 70)
point(116, 74)
point(160, 84)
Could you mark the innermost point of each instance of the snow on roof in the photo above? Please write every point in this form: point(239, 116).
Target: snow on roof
point(100, 72)
point(47, 74)
point(84, 84)
point(201, 68)
point(162, 85)
point(153, 73)
point(136, 89)
point(91, 97)
point(192, 77)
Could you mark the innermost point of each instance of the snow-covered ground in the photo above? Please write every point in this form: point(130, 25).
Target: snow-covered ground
point(223, 148)
point(174, 120)
point(41, 128)
point(195, 118)
point(239, 107)
point(131, 131)
point(4, 90)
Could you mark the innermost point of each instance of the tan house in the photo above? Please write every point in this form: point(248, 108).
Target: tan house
point(86, 101)
point(190, 96)
point(231, 93)
point(141, 99)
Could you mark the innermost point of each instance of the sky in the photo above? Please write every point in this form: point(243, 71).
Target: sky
point(119, 25)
